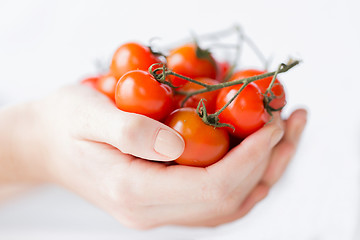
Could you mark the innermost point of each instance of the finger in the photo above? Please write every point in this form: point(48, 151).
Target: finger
point(131, 133)
point(205, 219)
point(248, 193)
point(244, 158)
point(257, 194)
point(194, 202)
point(285, 150)
point(183, 184)
point(210, 211)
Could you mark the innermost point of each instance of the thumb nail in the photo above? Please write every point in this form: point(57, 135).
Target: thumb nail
point(169, 144)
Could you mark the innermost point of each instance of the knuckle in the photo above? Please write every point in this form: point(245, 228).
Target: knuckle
point(229, 206)
point(118, 192)
point(225, 207)
point(130, 213)
point(135, 217)
point(123, 192)
point(128, 208)
point(214, 191)
point(130, 128)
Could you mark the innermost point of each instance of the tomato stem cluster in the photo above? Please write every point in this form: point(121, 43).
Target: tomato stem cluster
point(242, 39)
point(208, 88)
point(238, 50)
point(161, 72)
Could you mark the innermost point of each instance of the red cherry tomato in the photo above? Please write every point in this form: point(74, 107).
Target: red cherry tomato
point(193, 101)
point(138, 92)
point(246, 113)
point(184, 60)
point(131, 56)
point(279, 101)
point(204, 144)
point(90, 81)
point(223, 68)
point(106, 85)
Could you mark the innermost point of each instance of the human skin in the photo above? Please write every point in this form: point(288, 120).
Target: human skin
point(78, 139)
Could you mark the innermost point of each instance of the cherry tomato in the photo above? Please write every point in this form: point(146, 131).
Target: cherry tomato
point(223, 68)
point(193, 101)
point(90, 81)
point(204, 144)
point(106, 85)
point(131, 56)
point(138, 92)
point(185, 61)
point(279, 101)
point(246, 113)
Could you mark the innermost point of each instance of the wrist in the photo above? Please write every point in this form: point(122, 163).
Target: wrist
point(20, 144)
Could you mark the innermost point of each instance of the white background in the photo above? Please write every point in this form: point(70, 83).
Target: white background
point(46, 44)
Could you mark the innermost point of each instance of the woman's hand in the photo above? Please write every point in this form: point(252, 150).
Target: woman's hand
point(78, 138)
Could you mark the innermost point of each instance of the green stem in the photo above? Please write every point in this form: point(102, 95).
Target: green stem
point(222, 45)
point(257, 51)
point(203, 37)
point(231, 100)
point(268, 90)
point(221, 33)
point(239, 47)
point(186, 78)
point(209, 88)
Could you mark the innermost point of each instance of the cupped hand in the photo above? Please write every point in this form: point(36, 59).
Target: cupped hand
point(89, 147)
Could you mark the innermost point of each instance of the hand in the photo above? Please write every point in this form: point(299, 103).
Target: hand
point(73, 139)
point(280, 156)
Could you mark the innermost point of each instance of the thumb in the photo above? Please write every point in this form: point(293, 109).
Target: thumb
point(131, 133)
point(147, 138)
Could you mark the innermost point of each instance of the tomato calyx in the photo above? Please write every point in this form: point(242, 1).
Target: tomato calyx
point(210, 119)
point(203, 53)
point(156, 53)
point(269, 95)
point(160, 72)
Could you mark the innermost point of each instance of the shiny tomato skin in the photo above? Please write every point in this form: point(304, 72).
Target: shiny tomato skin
point(106, 85)
point(138, 92)
point(204, 144)
point(246, 113)
point(183, 60)
point(193, 101)
point(278, 89)
point(131, 56)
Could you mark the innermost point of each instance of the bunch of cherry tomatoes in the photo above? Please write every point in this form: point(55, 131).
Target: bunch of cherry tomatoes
point(192, 92)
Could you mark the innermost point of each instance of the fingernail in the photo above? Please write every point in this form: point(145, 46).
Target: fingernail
point(169, 144)
point(276, 137)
